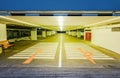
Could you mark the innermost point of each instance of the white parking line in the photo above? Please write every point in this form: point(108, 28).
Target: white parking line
point(73, 53)
point(60, 54)
point(48, 51)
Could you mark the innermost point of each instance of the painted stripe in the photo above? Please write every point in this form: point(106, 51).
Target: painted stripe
point(87, 55)
point(60, 53)
point(73, 53)
point(29, 60)
point(34, 57)
point(47, 52)
point(93, 58)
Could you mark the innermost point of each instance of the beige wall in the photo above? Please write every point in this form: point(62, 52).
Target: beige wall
point(105, 38)
point(3, 35)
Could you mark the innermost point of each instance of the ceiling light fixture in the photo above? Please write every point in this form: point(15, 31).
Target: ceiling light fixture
point(18, 21)
point(60, 22)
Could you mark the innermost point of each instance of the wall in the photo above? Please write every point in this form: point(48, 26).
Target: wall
point(3, 35)
point(106, 38)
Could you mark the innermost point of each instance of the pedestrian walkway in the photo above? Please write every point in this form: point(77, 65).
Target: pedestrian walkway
point(72, 52)
point(48, 51)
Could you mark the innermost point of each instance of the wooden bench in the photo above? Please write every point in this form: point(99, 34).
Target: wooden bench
point(5, 44)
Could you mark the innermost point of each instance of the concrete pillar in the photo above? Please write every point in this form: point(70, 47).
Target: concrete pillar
point(34, 34)
point(78, 34)
point(44, 33)
point(53, 32)
point(70, 32)
point(67, 32)
point(3, 32)
point(1, 49)
point(49, 33)
point(74, 33)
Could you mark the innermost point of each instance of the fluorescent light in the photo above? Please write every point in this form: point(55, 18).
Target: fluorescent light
point(19, 21)
point(60, 22)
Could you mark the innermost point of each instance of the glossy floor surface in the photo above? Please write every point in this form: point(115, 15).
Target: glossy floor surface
point(59, 56)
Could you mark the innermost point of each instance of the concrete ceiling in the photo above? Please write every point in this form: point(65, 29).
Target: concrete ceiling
point(52, 22)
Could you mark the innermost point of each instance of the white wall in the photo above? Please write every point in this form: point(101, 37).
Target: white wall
point(3, 34)
point(105, 38)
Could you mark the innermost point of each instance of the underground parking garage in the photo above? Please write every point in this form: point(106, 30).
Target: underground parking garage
point(45, 46)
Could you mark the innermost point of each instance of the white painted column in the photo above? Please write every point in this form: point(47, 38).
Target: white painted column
point(70, 32)
point(74, 33)
point(1, 49)
point(53, 32)
point(3, 34)
point(67, 32)
point(49, 33)
point(78, 34)
point(44, 33)
point(34, 34)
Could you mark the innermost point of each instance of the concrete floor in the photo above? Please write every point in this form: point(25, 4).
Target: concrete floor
point(59, 58)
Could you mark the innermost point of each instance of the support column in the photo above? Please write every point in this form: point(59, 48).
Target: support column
point(70, 32)
point(49, 33)
point(44, 33)
point(74, 33)
point(78, 33)
point(53, 32)
point(34, 34)
point(3, 34)
point(67, 32)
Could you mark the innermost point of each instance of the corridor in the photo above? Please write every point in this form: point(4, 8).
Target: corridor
point(58, 55)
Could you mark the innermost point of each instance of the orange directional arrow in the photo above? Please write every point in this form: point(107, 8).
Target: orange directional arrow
point(87, 55)
point(29, 60)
